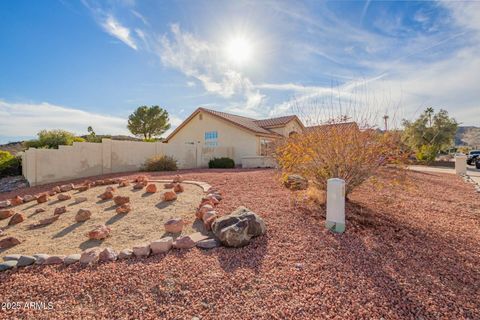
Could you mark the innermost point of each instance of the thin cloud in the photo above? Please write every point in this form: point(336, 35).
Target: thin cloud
point(114, 28)
point(203, 61)
point(27, 119)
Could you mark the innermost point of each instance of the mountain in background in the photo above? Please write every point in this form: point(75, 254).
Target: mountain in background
point(473, 134)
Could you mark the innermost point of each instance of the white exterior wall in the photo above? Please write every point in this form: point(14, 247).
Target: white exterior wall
point(233, 142)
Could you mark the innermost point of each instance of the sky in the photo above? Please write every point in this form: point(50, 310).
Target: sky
point(73, 64)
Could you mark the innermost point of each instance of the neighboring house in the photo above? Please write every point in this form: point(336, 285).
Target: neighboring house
point(325, 128)
point(206, 134)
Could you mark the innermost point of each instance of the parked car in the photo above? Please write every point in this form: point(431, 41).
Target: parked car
point(473, 156)
point(477, 163)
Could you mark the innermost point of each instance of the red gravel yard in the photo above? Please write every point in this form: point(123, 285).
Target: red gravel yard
point(410, 251)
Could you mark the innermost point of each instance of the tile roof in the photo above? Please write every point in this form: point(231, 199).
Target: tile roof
point(324, 127)
point(247, 123)
point(273, 122)
point(257, 126)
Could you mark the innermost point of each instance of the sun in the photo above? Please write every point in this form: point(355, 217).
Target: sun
point(239, 50)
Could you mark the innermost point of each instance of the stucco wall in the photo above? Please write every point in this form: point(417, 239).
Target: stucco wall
point(84, 159)
point(49, 165)
point(293, 125)
point(233, 141)
point(131, 155)
point(258, 162)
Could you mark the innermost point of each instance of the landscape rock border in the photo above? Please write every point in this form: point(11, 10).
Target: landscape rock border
point(97, 254)
point(468, 178)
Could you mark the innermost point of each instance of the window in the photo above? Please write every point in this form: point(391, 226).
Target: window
point(211, 139)
point(266, 147)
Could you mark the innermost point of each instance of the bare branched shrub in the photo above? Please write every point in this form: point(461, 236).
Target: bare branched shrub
point(344, 145)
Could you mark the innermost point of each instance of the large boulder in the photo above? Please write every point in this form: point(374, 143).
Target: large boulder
point(237, 228)
point(296, 182)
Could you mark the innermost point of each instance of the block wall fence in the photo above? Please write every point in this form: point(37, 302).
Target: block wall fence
point(85, 159)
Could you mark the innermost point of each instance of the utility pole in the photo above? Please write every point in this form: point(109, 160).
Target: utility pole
point(385, 119)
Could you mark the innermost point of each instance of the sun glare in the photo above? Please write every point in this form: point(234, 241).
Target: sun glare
point(239, 51)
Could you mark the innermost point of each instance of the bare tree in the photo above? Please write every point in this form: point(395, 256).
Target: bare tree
point(472, 137)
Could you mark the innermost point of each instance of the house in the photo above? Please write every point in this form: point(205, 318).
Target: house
point(206, 134)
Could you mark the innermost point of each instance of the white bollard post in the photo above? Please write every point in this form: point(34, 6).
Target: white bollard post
point(461, 164)
point(335, 205)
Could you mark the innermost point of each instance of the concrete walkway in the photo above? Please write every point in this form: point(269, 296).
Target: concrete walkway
point(472, 172)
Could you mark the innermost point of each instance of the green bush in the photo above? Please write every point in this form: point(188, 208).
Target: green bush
point(9, 165)
point(160, 163)
point(51, 139)
point(427, 153)
point(221, 163)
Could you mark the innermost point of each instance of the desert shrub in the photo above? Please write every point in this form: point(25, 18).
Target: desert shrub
point(223, 162)
point(9, 164)
point(464, 149)
point(427, 153)
point(4, 156)
point(338, 150)
point(160, 163)
point(51, 139)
